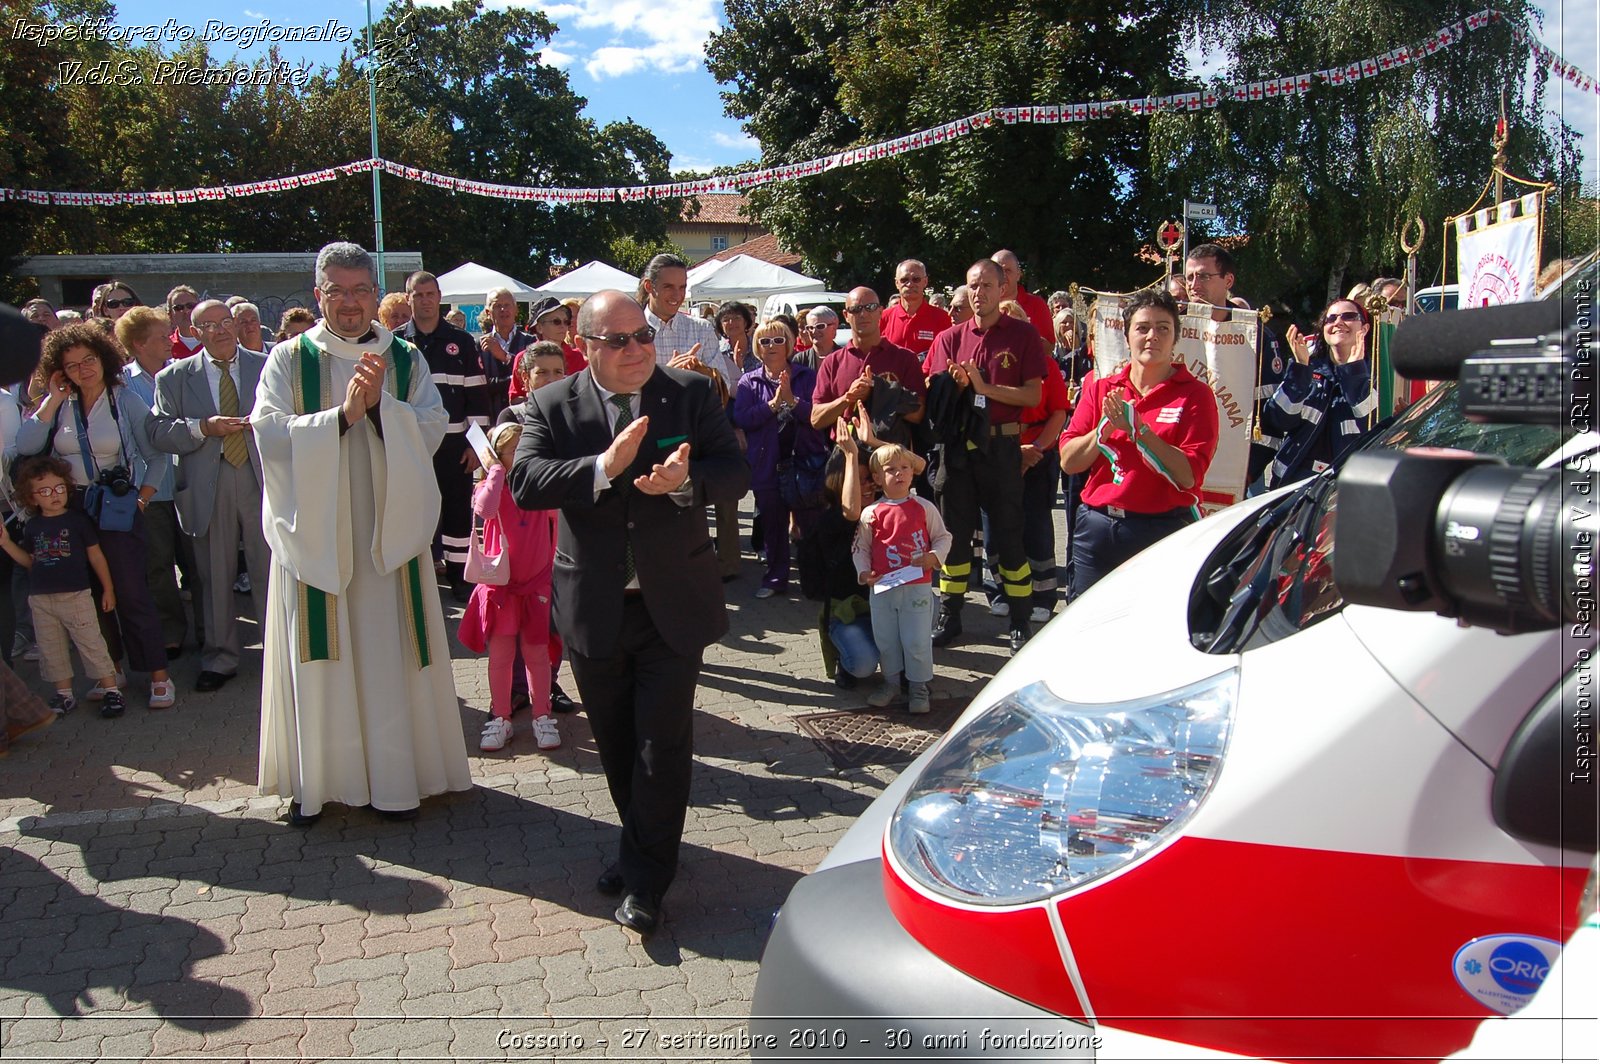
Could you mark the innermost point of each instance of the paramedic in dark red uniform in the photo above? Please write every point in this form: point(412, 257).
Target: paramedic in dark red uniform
point(1145, 467)
point(1003, 361)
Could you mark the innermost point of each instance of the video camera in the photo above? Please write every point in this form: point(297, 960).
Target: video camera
point(1465, 535)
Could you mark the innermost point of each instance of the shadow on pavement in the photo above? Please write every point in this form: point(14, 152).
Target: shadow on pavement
point(70, 944)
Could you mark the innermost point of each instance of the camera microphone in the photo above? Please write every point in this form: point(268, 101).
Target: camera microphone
point(1432, 347)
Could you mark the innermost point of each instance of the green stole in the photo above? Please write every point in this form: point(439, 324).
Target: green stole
point(319, 629)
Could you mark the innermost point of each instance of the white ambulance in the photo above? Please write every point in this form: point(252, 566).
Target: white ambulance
point(1213, 811)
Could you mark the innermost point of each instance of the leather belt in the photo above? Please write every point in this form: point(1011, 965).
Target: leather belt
point(1009, 428)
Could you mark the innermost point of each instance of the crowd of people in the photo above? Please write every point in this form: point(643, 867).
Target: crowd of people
point(573, 479)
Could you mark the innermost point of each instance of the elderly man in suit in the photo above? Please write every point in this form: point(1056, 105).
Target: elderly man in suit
point(200, 416)
point(631, 453)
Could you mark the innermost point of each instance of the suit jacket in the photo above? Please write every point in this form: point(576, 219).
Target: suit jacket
point(567, 425)
point(182, 392)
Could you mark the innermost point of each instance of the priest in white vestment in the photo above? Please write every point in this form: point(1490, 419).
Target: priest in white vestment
point(358, 701)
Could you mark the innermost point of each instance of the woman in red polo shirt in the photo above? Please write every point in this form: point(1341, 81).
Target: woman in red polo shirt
point(1145, 435)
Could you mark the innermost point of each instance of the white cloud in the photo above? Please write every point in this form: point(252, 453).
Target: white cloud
point(557, 58)
point(737, 141)
point(253, 14)
point(635, 36)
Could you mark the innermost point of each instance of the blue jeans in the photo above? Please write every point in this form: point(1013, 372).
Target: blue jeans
point(858, 653)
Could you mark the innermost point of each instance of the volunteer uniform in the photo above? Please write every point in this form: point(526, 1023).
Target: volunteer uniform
point(1040, 486)
point(888, 361)
point(914, 332)
point(1008, 353)
point(1322, 411)
point(1129, 502)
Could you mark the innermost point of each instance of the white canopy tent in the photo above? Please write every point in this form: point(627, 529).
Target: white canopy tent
point(469, 283)
point(588, 279)
point(746, 279)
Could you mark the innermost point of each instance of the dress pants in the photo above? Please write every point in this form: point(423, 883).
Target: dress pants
point(235, 521)
point(133, 628)
point(640, 702)
point(1102, 542)
point(166, 540)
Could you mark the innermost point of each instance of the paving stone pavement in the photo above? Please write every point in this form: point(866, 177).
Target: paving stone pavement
point(154, 907)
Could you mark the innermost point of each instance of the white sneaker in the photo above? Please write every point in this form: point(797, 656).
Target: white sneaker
point(496, 734)
point(163, 694)
point(98, 693)
point(920, 702)
point(1040, 615)
point(545, 732)
point(32, 653)
point(999, 608)
point(886, 693)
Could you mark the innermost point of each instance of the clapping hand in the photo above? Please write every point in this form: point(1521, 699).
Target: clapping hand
point(1115, 409)
point(666, 476)
point(785, 394)
point(365, 387)
point(1299, 345)
point(864, 431)
point(624, 448)
point(861, 387)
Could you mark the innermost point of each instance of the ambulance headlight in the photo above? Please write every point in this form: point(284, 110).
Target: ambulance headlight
point(1038, 795)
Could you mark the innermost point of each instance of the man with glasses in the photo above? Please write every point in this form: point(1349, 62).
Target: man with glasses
point(201, 415)
point(180, 306)
point(637, 598)
point(846, 377)
point(465, 392)
point(358, 701)
point(1209, 274)
point(501, 345)
point(913, 322)
point(1038, 310)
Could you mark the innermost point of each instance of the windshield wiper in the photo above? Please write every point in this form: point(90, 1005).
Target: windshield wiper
point(1260, 560)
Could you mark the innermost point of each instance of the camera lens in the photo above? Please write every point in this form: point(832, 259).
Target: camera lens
point(1503, 535)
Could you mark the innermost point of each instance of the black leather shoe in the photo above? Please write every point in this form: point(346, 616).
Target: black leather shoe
point(610, 882)
point(1018, 637)
point(947, 629)
point(844, 680)
point(174, 652)
point(640, 912)
point(299, 819)
point(560, 701)
point(211, 681)
point(397, 814)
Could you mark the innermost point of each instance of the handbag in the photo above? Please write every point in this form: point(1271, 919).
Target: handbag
point(801, 481)
point(483, 567)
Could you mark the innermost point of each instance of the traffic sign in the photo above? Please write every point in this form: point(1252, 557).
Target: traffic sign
point(1199, 210)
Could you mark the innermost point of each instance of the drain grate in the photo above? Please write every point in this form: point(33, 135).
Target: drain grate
point(888, 736)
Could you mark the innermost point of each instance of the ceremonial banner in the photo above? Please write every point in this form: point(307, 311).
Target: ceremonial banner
point(1496, 261)
point(1222, 355)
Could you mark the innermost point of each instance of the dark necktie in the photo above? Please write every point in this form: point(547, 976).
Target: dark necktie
point(233, 448)
point(624, 405)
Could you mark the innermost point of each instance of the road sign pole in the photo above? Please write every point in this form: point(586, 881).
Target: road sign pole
point(1186, 234)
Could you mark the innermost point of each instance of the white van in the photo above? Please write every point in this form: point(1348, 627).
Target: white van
point(1212, 811)
point(798, 304)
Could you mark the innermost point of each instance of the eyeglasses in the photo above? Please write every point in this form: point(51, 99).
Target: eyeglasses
point(115, 304)
point(1348, 316)
point(59, 489)
point(179, 308)
point(339, 295)
point(617, 341)
point(225, 323)
point(74, 367)
point(863, 308)
point(773, 341)
point(551, 319)
point(1200, 278)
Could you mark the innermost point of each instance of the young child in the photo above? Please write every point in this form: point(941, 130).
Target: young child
point(517, 614)
point(61, 550)
point(900, 540)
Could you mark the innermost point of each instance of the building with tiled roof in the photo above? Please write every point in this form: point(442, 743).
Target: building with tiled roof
point(719, 222)
point(764, 247)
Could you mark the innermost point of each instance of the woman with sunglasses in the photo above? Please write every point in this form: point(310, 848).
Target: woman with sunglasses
point(772, 404)
point(1323, 408)
point(112, 300)
point(85, 401)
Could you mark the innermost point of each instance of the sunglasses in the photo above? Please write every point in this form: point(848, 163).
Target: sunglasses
point(617, 341)
point(551, 319)
point(1349, 317)
point(773, 341)
point(179, 308)
point(863, 308)
point(115, 304)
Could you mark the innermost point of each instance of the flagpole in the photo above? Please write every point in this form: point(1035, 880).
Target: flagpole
point(377, 171)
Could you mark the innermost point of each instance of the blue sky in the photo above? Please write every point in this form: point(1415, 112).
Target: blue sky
point(645, 61)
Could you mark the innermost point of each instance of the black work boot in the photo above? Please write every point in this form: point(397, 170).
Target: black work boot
point(1021, 632)
point(947, 629)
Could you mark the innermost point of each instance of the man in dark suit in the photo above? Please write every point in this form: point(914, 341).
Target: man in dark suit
point(202, 415)
point(631, 453)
